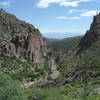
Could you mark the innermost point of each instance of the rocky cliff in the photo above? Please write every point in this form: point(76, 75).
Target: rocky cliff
point(82, 64)
point(86, 65)
point(92, 34)
point(20, 38)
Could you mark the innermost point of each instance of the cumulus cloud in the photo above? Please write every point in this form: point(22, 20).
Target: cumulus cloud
point(89, 13)
point(61, 17)
point(5, 3)
point(68, 18)
point(73, 4)
point(76, 10)
point(84, 14)
point(46, 3)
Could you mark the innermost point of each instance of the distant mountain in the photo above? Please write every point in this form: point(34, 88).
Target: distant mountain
point(64, 44)
point(59, 35)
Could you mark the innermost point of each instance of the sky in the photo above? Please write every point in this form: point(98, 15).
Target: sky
point(55, 18)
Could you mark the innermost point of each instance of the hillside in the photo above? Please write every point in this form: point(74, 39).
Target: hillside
point(35, 68)
point(83, 63)
point(20, 38)
point(23, 53)
point(59, 49)
point(63, 44)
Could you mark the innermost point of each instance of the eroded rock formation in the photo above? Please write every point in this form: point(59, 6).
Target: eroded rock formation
point(20, 38)
point(92, 34)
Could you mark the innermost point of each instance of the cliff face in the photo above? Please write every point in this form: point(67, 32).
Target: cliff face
point(82, 64)
point(88, 60)
point(92, 34)
point(20, 38)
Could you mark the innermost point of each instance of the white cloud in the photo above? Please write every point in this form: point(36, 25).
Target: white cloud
point(85, 0)
point(46, 3)
point(61, 17)
point(74, 18)
point(68, 18)
point(5, 3)
point(76, 10)
point(85, 14)
point(73, 4)
point(89, 13)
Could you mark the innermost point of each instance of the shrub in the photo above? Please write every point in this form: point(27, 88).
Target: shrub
point(10, 90)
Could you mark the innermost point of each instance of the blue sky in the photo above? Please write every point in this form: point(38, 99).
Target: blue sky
point(72, 17)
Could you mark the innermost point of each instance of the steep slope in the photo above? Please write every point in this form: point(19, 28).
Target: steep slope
point(82, 64)
point(92, 34)
point(23, 53)
point(20, 38)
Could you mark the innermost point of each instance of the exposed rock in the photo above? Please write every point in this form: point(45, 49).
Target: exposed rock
point(92, 34)
point(97, 91)
point(55, 72)
point(20, 38)
point(39, 82)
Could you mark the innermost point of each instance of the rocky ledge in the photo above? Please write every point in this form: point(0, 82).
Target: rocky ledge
point(20, 38)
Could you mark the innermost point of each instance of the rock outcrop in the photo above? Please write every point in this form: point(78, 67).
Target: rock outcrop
point(20, 38)
point(92, 34)
point(54, 71)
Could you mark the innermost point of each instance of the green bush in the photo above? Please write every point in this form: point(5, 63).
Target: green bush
point(36, 94)
point(10, 90)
